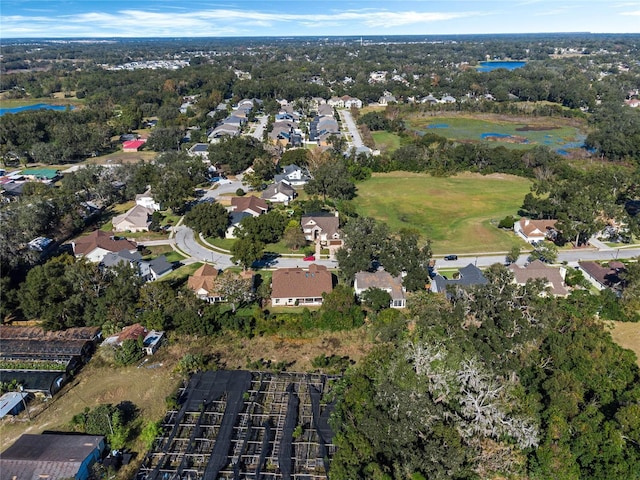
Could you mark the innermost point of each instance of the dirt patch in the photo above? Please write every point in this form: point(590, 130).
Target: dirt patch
point(506, 139)
point(531, 128)
point(627, 335)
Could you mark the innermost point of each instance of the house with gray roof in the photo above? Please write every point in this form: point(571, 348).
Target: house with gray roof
point(280, 192)
point(553, 277)
point(293, 175)
point(51, 456)
point(154, 269)
point(468, 276)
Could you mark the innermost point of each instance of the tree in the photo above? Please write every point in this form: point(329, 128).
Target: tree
point(164, 139)
point(129, 352)
point(294, 236)
point(246, 251)
point(544, 251)
point(235, 289)
point(209, 218)
point(238, 153)
point(376, 299)
point(331, 179)
point(513, 255)
point(364, 240)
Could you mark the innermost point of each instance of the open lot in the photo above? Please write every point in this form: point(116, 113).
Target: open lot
point(627, 335)
point(458, 214)
point(512, 132)
point(147, 387)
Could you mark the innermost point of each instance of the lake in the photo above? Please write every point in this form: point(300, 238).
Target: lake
point(490, 66)
point(38, 106)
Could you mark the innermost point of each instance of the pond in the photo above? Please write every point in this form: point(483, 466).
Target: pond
point(490, 66)
point(38, 106)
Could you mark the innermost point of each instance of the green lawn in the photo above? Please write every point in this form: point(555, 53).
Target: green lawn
point(458, 214)
point(552, 132)
point(386, 141)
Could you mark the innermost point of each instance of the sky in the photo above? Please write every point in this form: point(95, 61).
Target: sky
point(242, 18)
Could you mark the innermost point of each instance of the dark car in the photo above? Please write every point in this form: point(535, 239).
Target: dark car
point(451, 257)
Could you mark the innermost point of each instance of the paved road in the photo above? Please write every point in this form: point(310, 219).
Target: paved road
point(571, 257)
point(348, 121)
point(262, 123)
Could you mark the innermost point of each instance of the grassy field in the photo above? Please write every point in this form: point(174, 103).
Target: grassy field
point(553, 132)
point(627, 335)
point(386, 141)
point(456, 213)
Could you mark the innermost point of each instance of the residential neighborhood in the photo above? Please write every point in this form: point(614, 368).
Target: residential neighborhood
point(260, 257)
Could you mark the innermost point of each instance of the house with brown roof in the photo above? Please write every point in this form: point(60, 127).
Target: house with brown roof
point(97, 244)
point(603, 276)
point(136, 219)
point(384, 281)
point(203, 283)
point(535, 230)
point(254, 206)
point(295, 286)
point(553, 277)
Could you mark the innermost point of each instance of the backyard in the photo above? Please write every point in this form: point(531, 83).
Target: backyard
point(458, 214)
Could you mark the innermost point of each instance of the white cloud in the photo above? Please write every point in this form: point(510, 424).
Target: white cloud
point(214, 21)
point(635, 13)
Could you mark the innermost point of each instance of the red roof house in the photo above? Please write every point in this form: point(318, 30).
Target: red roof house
point(132, 145)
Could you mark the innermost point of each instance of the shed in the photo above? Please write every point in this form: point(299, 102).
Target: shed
point(12, 403)
point(132, 145)
point(54, 456)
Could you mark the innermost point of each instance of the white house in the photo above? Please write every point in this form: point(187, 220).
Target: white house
point(146, 200)
point(532, 231)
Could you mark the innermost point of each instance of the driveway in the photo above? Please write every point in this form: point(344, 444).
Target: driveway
point(259, 130)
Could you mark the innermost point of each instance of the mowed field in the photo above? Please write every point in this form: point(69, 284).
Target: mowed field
point(458, 214)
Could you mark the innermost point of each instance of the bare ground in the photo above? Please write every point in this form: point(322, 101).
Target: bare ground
point(148, 386)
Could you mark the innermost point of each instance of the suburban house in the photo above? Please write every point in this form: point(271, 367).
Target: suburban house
point(604, 276)
point(554, 277)
point(534, 230)
point(235, 219)
point(133, 145)
point(280, 192)
point(387, 99)
point(44, 175)
point(351, 102)
point(336, 102)
point(151, 339)
point(203, 283)
point(199, 150)
point(384, 281)
point(469, 275)
point(323, 229)
point(294, 286)
point(249, 204)
point(136, 219)
point(154, 269)
point(124, 257)
point(146, 200)
point(52, 456)
point(224, 130)
point(97, 244)
point(320, 227)
point(293, 175)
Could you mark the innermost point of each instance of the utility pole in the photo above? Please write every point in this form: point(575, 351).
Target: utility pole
point(22, 395)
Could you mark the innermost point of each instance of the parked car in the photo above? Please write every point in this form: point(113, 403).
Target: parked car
point(451, 257)
point(310, 258)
